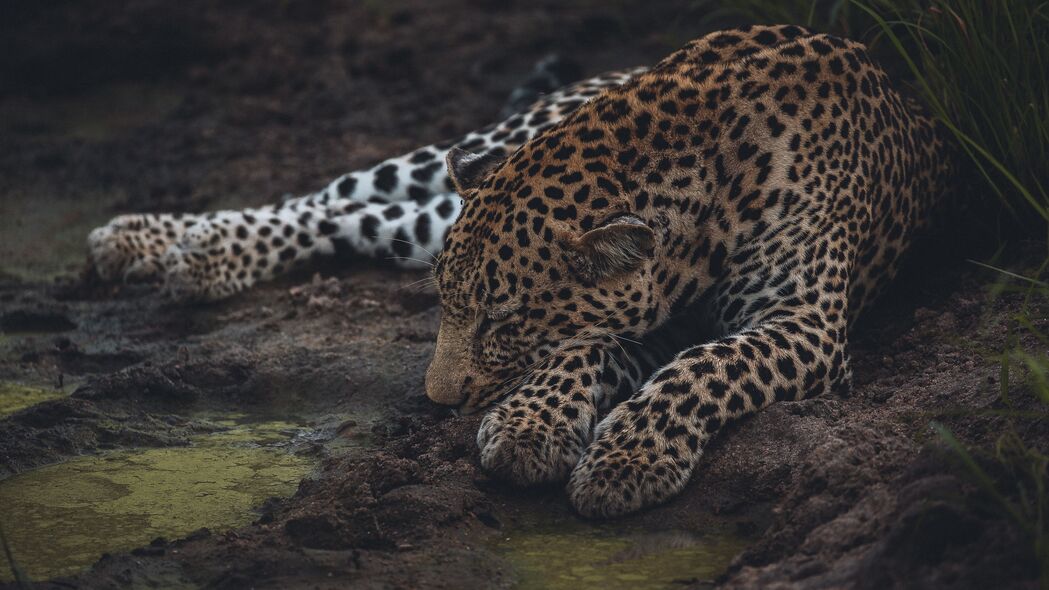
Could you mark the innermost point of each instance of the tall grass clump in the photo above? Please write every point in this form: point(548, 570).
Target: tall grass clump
point(982, 66)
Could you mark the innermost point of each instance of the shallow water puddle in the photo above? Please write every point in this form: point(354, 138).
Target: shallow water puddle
point(61, 518)
point(574, 555)
point(15, 396)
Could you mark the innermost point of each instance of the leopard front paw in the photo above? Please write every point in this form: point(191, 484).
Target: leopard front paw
point(627, 469)
point(533, 443)
point(614, 482)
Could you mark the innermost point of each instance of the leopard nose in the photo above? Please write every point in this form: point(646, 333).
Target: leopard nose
point(446, 385)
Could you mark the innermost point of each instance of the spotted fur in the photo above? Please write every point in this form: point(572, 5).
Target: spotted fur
point(677, 253)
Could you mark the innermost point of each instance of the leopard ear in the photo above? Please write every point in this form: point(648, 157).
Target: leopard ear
point(467, 170)
point(618, 246)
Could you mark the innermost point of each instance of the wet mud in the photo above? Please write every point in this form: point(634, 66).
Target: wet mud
point(60, 517)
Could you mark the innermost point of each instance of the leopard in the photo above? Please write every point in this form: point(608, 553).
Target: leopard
point(680, 252)
point(628, 266)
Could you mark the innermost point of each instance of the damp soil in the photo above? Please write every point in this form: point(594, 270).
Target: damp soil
point(287, 428)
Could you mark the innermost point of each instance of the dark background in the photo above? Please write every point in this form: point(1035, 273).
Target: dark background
point(266, 97)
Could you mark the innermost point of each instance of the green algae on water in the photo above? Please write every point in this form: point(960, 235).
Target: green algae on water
point(61, 518)
point(572, 555)
point(15, 397)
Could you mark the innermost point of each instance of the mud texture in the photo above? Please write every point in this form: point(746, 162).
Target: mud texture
point(153, 106)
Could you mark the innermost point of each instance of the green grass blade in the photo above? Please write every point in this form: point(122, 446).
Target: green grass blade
point(20, 577)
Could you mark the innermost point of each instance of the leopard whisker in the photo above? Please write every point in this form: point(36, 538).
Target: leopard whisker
point(420, 246)
point(425, 282)
point(419, 260)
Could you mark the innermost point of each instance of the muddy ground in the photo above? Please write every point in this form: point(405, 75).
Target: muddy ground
point(153, 106)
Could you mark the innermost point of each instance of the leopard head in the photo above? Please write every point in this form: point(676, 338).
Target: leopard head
point(546, 250)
